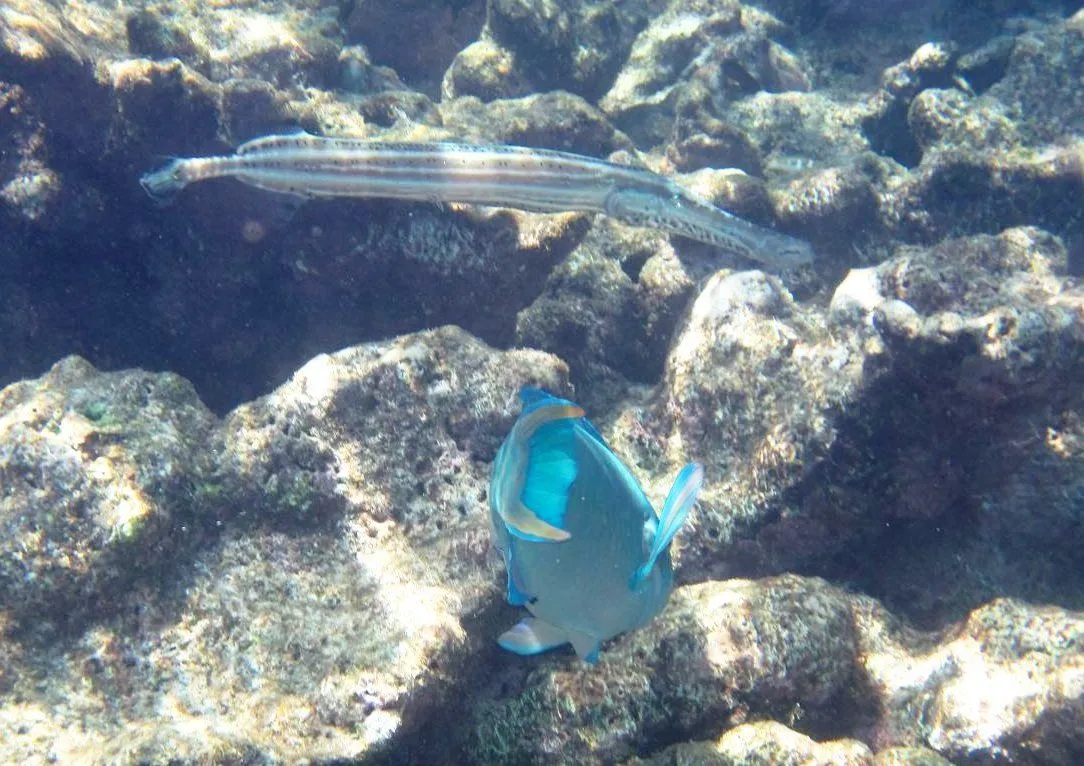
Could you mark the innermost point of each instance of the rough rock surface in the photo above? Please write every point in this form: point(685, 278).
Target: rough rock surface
point(330, 593)
point(694, 48)
point(283, 582)
point(893, 438)
point(1007, 681)
point(548, 46)
point(763, 743)
point(833, 664)
point(897, 428)
point(96, 470)
point(942, 140)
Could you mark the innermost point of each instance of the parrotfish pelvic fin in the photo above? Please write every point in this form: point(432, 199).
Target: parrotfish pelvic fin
point(548, 473)
point(532, 636)
point(587, 647)
point(678, 503)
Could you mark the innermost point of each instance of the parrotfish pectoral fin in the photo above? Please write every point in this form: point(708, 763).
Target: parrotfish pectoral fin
point(678, 503)
point(551, 469)
point(547, 429)
point(532, 636)
point(587, 647)
point(524, 524)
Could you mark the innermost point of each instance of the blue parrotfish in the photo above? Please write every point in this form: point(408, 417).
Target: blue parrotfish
point(585, 552)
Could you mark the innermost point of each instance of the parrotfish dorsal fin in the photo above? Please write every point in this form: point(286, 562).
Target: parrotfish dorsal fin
point(678, 503)
point(546, 428)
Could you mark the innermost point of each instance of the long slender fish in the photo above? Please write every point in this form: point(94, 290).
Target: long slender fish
point(535, 180)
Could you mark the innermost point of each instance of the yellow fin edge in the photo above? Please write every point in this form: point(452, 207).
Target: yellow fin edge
point(519, 516)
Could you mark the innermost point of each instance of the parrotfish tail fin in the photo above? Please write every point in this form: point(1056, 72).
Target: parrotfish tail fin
point(547, 427)
point(532, 636)
point(163, 184)
point(678, 503)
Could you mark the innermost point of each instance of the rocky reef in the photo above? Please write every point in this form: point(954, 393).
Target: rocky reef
point(277, 549)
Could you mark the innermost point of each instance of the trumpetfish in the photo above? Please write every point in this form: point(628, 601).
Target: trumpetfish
point(533, 180)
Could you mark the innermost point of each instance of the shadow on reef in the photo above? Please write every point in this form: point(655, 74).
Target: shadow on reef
point(931, 499)
point(238, 320)
point(646, 694)
point(957, 19)
point(274, 546)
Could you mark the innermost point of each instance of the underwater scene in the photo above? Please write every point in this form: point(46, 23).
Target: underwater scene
point(642, 382)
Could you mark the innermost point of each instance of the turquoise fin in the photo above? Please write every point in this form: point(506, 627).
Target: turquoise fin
point(546, 426)
point(532, 636)
point(678, 503)
point(551, 469)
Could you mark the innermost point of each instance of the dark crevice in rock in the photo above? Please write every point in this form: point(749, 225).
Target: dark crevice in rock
point(917, 536)
point(238, 321)
point(890, 135)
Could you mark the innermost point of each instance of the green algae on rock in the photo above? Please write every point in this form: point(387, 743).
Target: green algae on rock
point(916, 436)
point(87, 500)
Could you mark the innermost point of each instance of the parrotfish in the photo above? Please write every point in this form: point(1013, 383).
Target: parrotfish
point(585, 552)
